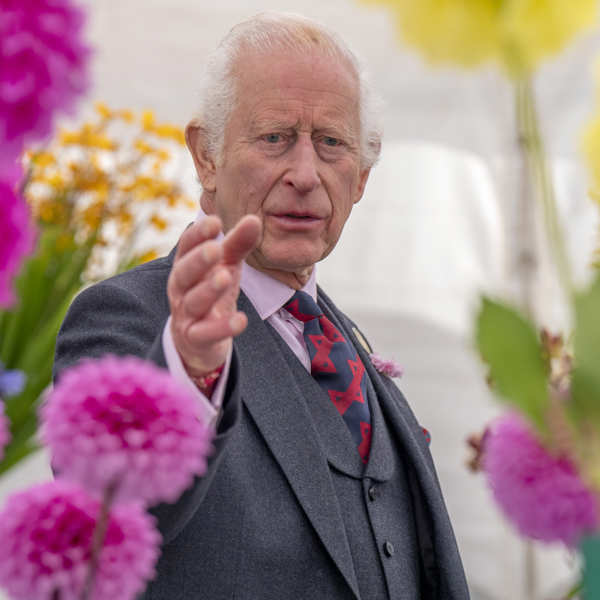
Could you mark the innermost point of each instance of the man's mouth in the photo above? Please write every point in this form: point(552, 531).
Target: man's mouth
point(296, 214)
point(294, 220)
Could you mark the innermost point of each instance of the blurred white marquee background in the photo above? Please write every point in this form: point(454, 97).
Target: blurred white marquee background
point(435, 227)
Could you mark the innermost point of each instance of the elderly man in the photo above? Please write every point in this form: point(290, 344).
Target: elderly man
point(321, 485)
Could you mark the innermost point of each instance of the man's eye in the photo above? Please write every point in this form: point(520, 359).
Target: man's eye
point(331, 141)
point(273, 138)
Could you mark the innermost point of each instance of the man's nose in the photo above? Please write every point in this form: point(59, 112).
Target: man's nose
point(303, 173)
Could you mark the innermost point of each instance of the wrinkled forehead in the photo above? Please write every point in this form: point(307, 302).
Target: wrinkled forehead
point(327, 64)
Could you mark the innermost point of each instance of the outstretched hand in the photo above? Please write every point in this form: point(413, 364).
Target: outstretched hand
point(203, 289)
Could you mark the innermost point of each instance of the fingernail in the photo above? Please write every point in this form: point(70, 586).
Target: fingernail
point(237, 322)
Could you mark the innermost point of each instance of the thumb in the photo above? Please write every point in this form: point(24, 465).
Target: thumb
point(242, 239)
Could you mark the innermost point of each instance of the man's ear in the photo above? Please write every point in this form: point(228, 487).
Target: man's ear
point(196, 140)
point(362, 182)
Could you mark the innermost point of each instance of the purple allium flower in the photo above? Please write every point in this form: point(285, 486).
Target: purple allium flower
point(541, 494)
point(388, 367)
point(46, 534)
point(5, 436)
point(16, 238)
point(43, 61)
point(125, 421)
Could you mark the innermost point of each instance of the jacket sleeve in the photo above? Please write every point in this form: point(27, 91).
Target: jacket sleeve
point(109, 318)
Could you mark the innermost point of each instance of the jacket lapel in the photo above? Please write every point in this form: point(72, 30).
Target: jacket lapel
point(274, 401)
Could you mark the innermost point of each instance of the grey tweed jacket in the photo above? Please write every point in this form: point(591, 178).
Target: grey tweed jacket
point(264, 521)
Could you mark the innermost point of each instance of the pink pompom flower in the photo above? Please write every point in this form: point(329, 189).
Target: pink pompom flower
point(541, 494)
point(43, 61)
point(17, 237)
point(5, 436)
point(125, 422)
point(386, 366)
point(46, 547)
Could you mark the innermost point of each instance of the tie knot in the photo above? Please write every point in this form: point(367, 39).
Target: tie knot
point(303, 307)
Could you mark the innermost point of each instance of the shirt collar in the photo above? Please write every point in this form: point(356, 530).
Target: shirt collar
point(268, 295)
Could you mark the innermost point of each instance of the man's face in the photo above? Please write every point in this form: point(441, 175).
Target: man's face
point(292, 157)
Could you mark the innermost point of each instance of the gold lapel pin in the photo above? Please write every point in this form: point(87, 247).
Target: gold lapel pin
point(361, 339)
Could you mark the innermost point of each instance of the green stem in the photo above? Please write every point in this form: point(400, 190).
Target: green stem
point(531, 142)
point(575, 591)
point(526, 258)
point(536, 186)
point(98, 539)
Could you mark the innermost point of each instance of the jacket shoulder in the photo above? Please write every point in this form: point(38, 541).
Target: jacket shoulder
point(120, 315)
point(147, 281)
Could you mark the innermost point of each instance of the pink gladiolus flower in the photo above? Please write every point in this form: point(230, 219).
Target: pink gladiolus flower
point(540, 493)
point(124, 421)
point(46, 535)
point(16, 239)
point(4, 431)
point(43, 63)
point(385, 366)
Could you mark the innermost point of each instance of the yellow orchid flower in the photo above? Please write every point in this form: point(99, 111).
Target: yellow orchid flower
point(158, 222)
point(91, 179)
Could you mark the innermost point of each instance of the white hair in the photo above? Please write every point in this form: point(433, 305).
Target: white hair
point(278, 31)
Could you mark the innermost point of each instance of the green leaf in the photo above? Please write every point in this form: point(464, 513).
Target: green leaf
point(45, 287)
point(509, 344)
point(585, 383)
point(34, 289)
point(21, 445)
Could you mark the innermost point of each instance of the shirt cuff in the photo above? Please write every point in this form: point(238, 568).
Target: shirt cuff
point(209, 408)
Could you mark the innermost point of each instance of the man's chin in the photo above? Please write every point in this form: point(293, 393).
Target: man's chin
point(292, 258)
point(284, 268)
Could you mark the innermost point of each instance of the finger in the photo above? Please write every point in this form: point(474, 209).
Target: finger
point(242, 239)
point(206, 332)
point(194, 266)
point(195, 234)
point(199, 300)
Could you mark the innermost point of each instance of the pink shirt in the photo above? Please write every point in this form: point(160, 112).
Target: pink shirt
point(268, 296)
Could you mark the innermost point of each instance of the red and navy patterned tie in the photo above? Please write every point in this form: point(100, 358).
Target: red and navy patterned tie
point(336, 367)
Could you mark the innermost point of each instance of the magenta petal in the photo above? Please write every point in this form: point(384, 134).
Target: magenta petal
point(46, 535)
point(388, 367)
point(541, 494)
point(43, 69)
point(16, 240)
point(125, 420)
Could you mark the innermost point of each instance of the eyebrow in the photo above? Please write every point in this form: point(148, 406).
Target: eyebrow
point(342, 129)
point(264, 123)
point(281, 124)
